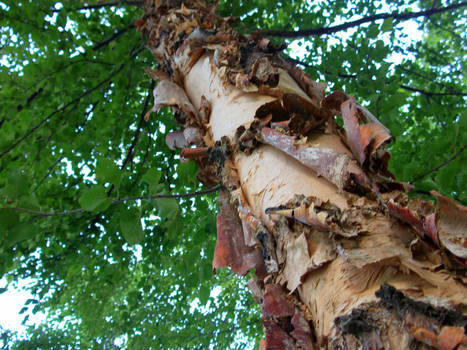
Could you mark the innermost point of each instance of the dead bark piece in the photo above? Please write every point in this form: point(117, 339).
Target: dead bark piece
point(275, 302)
point(305, 214)
point(452, 225)
point(302, 331)
point(423, 226)
point(231, 249)
point(450, 337)
point(194, 153)
point(338, 168)
point(176, 139)
point(156, 74)
point(250, 224)
point(305, 255)
point(364, 139)
point(168, 93)
point(334, 101)
point(255, 290)
point(193, 135)
point(276, 337)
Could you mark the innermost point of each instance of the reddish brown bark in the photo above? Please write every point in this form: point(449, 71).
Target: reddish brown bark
point(343, 258)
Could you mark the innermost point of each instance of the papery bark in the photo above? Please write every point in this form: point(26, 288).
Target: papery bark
point(343, 258)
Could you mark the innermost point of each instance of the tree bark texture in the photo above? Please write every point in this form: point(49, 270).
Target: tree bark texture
point(343, 258)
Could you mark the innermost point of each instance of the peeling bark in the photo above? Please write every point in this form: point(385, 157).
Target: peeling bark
point(343, 258)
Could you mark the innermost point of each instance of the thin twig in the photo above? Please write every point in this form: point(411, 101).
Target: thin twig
point(131, 150)
point(116, 201)
point(430, 94)
point(130, 153)
point(419, 177)
point(111, 3)
point(113, 37)
point(49, 171)
point(58, 110)
point(105, 4)
point(356, 23)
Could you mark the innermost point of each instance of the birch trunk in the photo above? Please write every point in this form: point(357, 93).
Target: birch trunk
point(343, 258)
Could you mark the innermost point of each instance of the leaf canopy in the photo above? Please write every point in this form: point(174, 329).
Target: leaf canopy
point(137, 274)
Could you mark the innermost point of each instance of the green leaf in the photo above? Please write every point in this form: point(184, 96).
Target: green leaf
point(108, 171)
point(152, 178)
point(205, 270)
point(22, 232)
point(23, 310)
point(95, 199)
point(387, 24)
point(167, 207)
point(187, 173)
point(204, 293)
point(174, 227)
point(373, 31)
point(8, 219)
point(29, 202)
point(17, 185)
point(130, 226)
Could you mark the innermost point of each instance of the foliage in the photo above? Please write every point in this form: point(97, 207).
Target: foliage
point(72, 136)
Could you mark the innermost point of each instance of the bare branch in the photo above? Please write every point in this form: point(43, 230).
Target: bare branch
point(113, 37)
point(49, 171)
point(106, 4)
point(131, 150)
point(116, 201)
point(111, 3)
point(356, 23)
point(405, 87)
point(430, 94)
point(419, 177)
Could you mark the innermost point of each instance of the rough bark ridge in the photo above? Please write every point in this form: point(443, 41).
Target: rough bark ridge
point(343, 258)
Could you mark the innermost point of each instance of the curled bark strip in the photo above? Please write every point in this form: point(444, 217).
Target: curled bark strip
point(451, 337)
point(364, 139)
point(334, 101)
point(250, 224)
point(336, 167)
point(305, 255)
point(194, 153)
point(168, 93)
point(306, 214)
point(452, 225)
point(193, 135)
point(231, 249)
point(156, 74)
point(302, 331)
point(276, 337)
point(275, 302)
point(176, 139)
point(255, 290)
point(423, 226)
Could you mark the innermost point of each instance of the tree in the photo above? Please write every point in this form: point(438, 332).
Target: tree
point(87, 274)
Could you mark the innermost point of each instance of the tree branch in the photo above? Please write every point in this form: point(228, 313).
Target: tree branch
point(131, 150)
point(113, 37)
point(419, 177)
point(356, 23)
point(116, 201)
point(61, 109)
point(430, 94)
point(111, 3)
point(405, 87)
point(106, 4)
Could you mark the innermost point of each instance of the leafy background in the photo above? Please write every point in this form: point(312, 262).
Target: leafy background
point(137, 274)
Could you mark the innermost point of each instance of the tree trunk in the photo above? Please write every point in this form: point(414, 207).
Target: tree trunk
point(343, 258)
